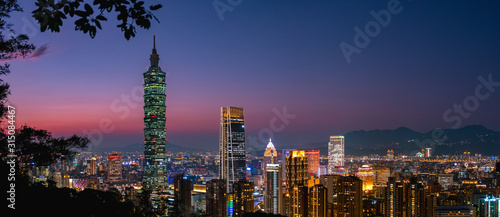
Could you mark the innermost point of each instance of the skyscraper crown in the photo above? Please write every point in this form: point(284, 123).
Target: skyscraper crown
point(154, 58)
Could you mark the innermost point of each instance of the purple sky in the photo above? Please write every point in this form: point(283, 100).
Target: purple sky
point(264, 55)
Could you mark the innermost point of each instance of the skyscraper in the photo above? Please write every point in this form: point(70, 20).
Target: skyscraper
point(273, 195)
point(349, 197)
point(216, 198)
point(154, 125)
point(270, 157)
point(344, 195)
point(407, 198)
point(335, 152)
point(182, 195)
point(284, 155)
point(317, 201)
point(114, 168)
point(232, 146)
point(243, 201)
point(296, 183)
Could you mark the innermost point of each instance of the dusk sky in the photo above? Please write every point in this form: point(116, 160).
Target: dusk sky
point(265, 55)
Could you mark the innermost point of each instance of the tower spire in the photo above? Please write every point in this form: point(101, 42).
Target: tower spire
point(154, 58)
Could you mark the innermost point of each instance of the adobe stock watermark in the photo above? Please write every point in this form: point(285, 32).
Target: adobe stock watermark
point(223, 6)
point(277, 124)
point(461, 111)
point(371, 29)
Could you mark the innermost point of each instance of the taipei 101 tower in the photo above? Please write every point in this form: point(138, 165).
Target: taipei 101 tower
point(154, 126)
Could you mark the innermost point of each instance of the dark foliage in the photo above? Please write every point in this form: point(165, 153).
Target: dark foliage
point(131, 14)
point(39, 148)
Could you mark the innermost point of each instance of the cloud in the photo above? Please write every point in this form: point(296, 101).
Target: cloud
point(44, 49)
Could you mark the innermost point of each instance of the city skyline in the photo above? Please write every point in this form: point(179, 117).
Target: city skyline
point(386, 108)
point(384, 87)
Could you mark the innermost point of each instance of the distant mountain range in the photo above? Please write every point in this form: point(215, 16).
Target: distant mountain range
point(472, 138)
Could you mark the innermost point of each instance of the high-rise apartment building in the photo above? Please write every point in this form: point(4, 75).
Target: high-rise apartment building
point(182, 194)
point(344, 195)
point(216, 198)
point(317, 201)
point(408, 198)
point(154, 125)
point(232, 165)
point(284, 155)
point(335, 152)
point(243, 201)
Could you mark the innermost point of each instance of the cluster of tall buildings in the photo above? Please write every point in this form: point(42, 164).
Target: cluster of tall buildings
point(294, 184)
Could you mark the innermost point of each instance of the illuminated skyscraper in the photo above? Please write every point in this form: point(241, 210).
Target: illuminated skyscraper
point(270, 157)
point(296, 184)
point(273, 195)
point(284, 155)
point(114, 168)
point(154, 125)
point(232, 146)
point(335, 152)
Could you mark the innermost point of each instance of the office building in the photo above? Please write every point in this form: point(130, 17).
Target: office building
point(232, 165)
point(270, 157)
point(154, 125)
point(335, 152)
point(114, 168)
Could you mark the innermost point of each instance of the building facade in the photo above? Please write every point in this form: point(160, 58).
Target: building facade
point(243, 201)
point(313, 159)
point(296, 184)
point(114, 168)
point(232, 165)
point(216, 198)
point(335, 152)
point(154, 125)
point(270, 157)
point(273, 194)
